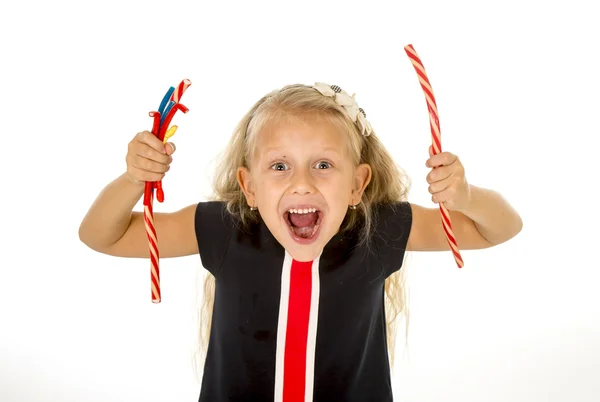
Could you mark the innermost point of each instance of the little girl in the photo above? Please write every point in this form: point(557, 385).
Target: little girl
point(304, 240)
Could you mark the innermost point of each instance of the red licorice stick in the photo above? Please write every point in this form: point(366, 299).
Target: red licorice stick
point(176, 97)
point(167, 121)
point(156, 122)
point(436, 145)
point(149, 188)
point(160, 195)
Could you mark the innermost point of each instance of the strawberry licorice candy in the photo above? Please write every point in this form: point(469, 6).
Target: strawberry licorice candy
point(161, 120)
point(436, 145)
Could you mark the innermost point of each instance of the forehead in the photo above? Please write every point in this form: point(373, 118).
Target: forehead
point(302, 131)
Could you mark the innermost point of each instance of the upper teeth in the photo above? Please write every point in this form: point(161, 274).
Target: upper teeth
point(302, 211)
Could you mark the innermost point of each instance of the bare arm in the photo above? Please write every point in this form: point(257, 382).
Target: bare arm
point(485, 218)
point(427, 232)
point(489, 221)
point(109, 216)
point(112, 227)
point(493, 216)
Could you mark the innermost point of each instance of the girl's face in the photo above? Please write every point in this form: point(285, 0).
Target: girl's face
point(302, 180)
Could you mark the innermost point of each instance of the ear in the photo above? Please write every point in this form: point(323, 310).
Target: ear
point(362, 178)
point(244, 179)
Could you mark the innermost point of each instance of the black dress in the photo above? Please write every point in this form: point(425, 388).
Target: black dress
point(288, 331)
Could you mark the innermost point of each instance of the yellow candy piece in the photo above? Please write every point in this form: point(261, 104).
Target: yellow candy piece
point(170, 132)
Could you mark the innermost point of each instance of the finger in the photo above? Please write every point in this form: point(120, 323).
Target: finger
point(428, 161)
point(434, 160)
point(145, 151)
point(150, 165)
point(443, 196)
point(439, 187)
point(146, 137)
point(438, 174)
point(170, 148)
point(441, 159)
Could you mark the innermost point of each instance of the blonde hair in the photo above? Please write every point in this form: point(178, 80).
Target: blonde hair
point(388, 184)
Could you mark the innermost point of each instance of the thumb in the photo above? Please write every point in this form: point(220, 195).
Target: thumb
point(170, 148)
point(431, 150)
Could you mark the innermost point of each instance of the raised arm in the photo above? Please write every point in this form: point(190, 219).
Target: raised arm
point(480, 217)
point(112, 227)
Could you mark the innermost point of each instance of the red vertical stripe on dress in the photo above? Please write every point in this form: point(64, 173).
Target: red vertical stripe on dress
point(294, 380)
point(297, 331)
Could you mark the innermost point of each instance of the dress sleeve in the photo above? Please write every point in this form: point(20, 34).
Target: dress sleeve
point(392, 227)
point(214, 227)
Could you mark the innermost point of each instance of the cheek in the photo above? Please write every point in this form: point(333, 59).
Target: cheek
point(269, 190)
point(336, 189)
point(339, 181)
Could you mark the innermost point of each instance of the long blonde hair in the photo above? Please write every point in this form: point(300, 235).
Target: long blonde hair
point(388, 184)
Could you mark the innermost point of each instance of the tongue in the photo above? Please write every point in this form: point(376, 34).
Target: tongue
point(304, 223)
point(302, 220)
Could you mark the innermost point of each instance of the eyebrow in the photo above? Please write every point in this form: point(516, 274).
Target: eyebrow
point(272, 150)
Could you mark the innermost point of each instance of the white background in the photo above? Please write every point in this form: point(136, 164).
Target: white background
point(517, 88)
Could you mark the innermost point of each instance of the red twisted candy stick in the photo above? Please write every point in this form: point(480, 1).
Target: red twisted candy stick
point(149, 223)
point(183, 85)
point(154, 256)
point(436, 145)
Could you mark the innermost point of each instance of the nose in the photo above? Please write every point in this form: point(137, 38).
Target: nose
point(302, 182)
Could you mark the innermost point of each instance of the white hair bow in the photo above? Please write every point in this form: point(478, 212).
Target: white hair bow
point(357, 114)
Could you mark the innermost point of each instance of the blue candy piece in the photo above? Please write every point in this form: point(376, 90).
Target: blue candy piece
point(164, 115)
point(165, 99)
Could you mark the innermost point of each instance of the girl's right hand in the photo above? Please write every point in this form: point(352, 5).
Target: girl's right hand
point(148, 159)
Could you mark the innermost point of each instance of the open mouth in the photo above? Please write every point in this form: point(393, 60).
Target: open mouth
point(304, 223)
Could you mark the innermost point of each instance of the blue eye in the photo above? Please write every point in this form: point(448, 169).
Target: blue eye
point(323, 165)
point(279, 166)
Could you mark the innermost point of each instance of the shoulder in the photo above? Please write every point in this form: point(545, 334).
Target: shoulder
point(213, 226)
point(211, 207)
point(393, 221)
point(392, 216)
point(391, 224)
point(212, 216)
point(393, 209)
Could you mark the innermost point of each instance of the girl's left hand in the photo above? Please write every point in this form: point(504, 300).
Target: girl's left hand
point(447, 181)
